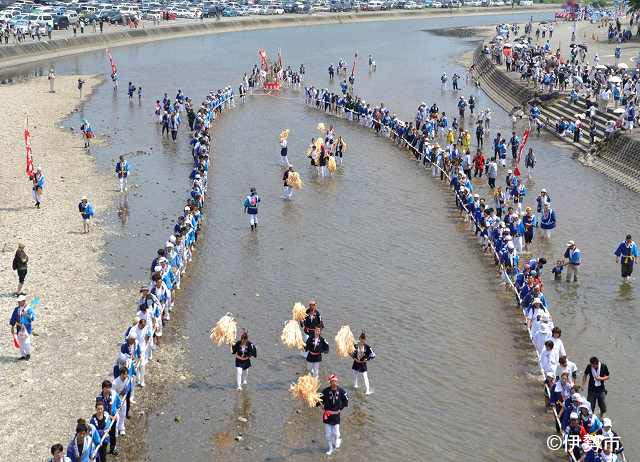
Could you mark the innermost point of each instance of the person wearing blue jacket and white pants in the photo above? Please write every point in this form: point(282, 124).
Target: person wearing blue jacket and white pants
point(547, 220)
point(251, 208)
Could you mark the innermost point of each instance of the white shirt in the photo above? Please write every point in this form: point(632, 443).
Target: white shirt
point(548, 361)
point(120, 386)
point(570, 369)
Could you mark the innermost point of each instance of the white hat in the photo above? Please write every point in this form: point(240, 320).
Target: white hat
point(509, 171)
point(536, 300)
point(573, 415)
point(543, 190)
point(197, 177)
point(21, 298)
point(157, 268)
point(577, 396)
point(172, 238)
point(570, 243)
point(168, 244)
point(83, 198)
point(510, 246)
point(551, 374)
point(545, 317)
point(606, 422)
point(187, 209)
point(476, 195)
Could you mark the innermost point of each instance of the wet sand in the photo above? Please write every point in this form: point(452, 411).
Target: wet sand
point(81, 316)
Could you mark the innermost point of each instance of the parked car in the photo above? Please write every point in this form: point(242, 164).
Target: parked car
point(526, 2)
point(374, 5)
point(61, 22)
point(410, 5)
point(43, 19)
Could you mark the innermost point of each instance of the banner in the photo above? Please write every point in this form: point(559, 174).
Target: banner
point(27, 146)
point(114, 69)
point(525, 137)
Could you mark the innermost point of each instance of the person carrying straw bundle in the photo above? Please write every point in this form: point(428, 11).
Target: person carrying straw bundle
point(315, 346)
point(334, 400)
point(243, 350)
point(291, 180)
point(344, 342)
point(362, 354)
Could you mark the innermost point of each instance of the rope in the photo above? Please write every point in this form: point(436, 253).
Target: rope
point(210, 117)
point(505, 274)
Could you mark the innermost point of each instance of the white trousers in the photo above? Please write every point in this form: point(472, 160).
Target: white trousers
point(365, 378)
point(314, 369)
point(332, 435)
point(122, 416)
point(284, 160)
point(24, 339)
point(36, 197)
point(288, 192)
point(140, 371)
point(547, 233)
point(323, 171)
point(517, 242)
point(253, 219)
point(241, 377)
point(123, 183)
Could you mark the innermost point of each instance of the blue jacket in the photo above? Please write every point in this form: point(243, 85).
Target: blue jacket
point(548, 221)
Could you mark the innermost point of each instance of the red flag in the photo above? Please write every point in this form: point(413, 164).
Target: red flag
point(114, 69)
point(16, 344)
point(27, 145)
point(525, 137)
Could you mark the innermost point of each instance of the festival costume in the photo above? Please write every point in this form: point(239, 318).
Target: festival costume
point(315, 347)
point(361, 356)
point(243, 354)
point(333, 402)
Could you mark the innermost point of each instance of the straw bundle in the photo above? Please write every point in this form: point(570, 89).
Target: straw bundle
point(345, 342)
point(321, 127)
point(294, 180)
point(299, 312)
point(224, 331)
point(306, 389)
point(284, 134)
point(331, 164)
point(292, 335)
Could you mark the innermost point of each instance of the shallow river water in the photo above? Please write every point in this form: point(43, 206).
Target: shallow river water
point(379, 246)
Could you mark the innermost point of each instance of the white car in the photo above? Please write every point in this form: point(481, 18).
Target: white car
point(436, 4)
point(411, 6)
point(526, 2)
point(275, 10)
point(254, 9)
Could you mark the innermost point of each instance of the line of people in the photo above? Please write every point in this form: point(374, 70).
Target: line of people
point(525, 279)
point(96, 438)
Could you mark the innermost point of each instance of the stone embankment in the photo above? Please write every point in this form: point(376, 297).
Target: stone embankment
point(618, 158)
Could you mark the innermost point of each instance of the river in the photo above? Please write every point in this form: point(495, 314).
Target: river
point(379, 246)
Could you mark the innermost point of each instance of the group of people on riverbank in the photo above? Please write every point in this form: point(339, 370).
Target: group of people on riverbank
point(501, 231)
point(609, 91)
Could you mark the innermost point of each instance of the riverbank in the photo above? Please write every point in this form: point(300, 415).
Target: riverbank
point(15, 55)
point(619, 159)
point(81, 316)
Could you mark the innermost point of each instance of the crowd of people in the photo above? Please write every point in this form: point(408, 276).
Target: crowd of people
point(607, 90)
point(96, 438)
point(501, 230)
